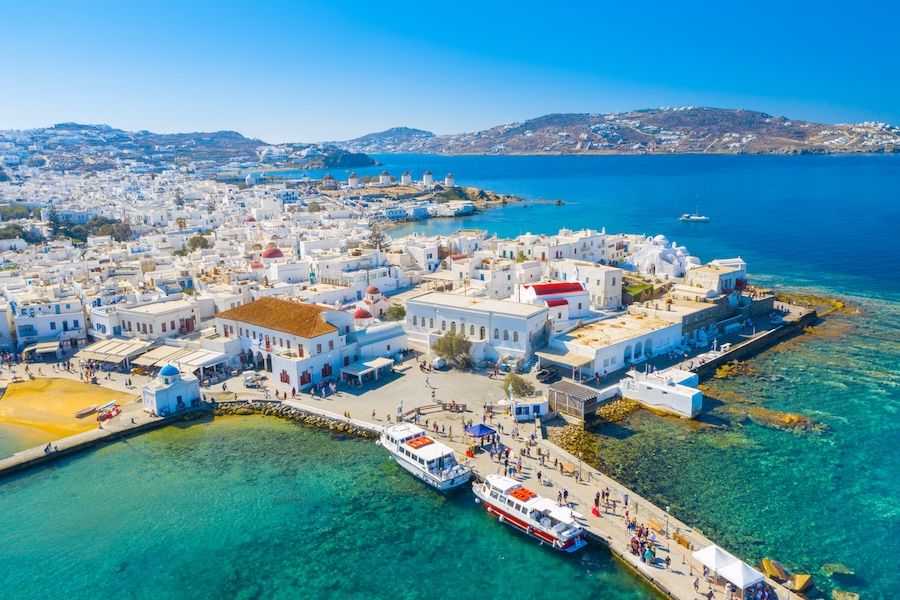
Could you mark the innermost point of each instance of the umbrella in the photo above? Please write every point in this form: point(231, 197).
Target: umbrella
point(714, 557)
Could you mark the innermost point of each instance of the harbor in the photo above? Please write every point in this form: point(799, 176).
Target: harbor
point(365, 412)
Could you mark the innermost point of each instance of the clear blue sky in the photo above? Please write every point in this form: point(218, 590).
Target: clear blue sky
point(313, 71)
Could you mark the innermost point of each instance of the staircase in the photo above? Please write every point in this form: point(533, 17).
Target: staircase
point(529, 366)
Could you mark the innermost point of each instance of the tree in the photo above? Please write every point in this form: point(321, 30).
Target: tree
point(313, 207)
point(181, 222)
point(444, 252)
point(395, 312)
point(378, 238)
point(54, 221)
point(454, 347)
point(521, 387)
point(198, 241)
point(14, 211)
point(520, 257)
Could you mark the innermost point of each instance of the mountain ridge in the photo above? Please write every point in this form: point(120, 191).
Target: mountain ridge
point(686, 130)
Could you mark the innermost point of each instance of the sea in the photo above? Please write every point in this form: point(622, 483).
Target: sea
point(247, 507)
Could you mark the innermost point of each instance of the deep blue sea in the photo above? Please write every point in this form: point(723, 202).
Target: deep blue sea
point(253, 508)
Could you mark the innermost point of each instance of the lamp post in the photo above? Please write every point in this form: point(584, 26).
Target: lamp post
point(667, 520)
point(580, 454)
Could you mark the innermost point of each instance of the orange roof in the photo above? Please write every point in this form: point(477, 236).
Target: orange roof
point(299, 319)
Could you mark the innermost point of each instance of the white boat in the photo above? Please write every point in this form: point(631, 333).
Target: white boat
point(694, 218)
point(539, 517)
point(423, 456)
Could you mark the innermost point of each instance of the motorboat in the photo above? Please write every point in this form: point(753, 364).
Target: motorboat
point(423, 456)
point(536, 516)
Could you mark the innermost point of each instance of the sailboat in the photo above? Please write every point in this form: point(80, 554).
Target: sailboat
point(694, 218)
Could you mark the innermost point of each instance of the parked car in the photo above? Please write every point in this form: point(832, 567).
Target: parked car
point(547, 374)
point(438, 363)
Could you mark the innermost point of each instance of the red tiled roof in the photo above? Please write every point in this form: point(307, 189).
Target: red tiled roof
point(299, 319)
point(362, 313)
point(561, 302)
point(544, 289)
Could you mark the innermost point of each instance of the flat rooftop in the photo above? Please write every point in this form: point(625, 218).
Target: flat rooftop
point(503, 307)
point(612, 331)
point(714, 269)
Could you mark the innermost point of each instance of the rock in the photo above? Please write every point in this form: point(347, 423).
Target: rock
point(839, 568)
point(244, 411)
point(842, 595)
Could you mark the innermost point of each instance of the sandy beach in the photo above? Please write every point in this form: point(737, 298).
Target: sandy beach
point(49, 404)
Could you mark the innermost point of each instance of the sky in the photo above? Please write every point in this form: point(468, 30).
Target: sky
point(304, 71)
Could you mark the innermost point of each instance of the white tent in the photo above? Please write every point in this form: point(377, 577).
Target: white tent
point(741, 574)
point(714, 557)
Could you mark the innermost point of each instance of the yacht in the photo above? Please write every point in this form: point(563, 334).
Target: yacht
point(694, 218)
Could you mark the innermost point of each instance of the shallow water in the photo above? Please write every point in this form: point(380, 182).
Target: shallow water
point(249, 507)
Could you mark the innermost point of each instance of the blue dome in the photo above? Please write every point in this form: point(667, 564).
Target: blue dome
point(169, 371)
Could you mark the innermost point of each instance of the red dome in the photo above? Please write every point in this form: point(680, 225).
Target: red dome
point(251, 219)
point(373, 290)
point(362, 313)
point(256, 265)
point(272, 252)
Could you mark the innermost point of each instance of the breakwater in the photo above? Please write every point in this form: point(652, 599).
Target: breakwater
point(294, 411)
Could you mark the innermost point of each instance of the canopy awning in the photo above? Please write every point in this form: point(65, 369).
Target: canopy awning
point(741, 574)
point(113, 350)
point(156, 355)
point(362, 367)
point(43, 347)
point(564, 357)
point(480, 430)
point(714, 557)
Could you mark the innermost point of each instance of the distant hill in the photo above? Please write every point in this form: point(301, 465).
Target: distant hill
point(84, 148)
point(386, 141)
point(659, 131)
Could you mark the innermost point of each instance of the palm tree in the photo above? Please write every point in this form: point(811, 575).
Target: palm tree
point(181, 222)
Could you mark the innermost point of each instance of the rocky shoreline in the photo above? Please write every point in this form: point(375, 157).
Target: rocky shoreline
point(270, 408)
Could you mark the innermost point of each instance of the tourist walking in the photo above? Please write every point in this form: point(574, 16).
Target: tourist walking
point(696, 585)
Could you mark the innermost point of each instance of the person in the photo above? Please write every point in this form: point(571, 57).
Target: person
point(696, 585)
point(539, 477)
point(709, 595)
point(559, 498)
point(47, 449)
point(132, 421)
point(373, 415)
point(426, 383)
point(566, 495)
point(668, 563)
point(706, 573)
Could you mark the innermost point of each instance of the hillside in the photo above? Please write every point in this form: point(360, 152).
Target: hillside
point(660, 131)
point(387, 141)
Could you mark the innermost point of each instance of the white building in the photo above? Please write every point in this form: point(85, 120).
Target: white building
point(170, 392)
point(496, 328)
point(603, 283)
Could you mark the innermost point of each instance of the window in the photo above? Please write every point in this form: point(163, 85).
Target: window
point(579, 306)
point(224, 329)
point(318, 348)
point(614, 281)
point(482, 333)
point(172, 323)
point(331, 344)
point(151, 327)
point(452, 326)
point(52, 325)
point(289, 345)
point(415, 320)
point(506, 335)
point(443, 325)
point(240, 329)
point(515, 336)
point(430, 323)
point(471, 330)
point(281, 342)
point(389, 347)
point(496, 334)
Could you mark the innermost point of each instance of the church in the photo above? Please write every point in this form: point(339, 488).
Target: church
point(170, 392)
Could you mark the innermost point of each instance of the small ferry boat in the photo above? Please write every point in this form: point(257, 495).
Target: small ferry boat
point(429, 460)
point(539, 517)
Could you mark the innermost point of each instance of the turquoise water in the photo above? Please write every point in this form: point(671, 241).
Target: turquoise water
point(247, 508)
